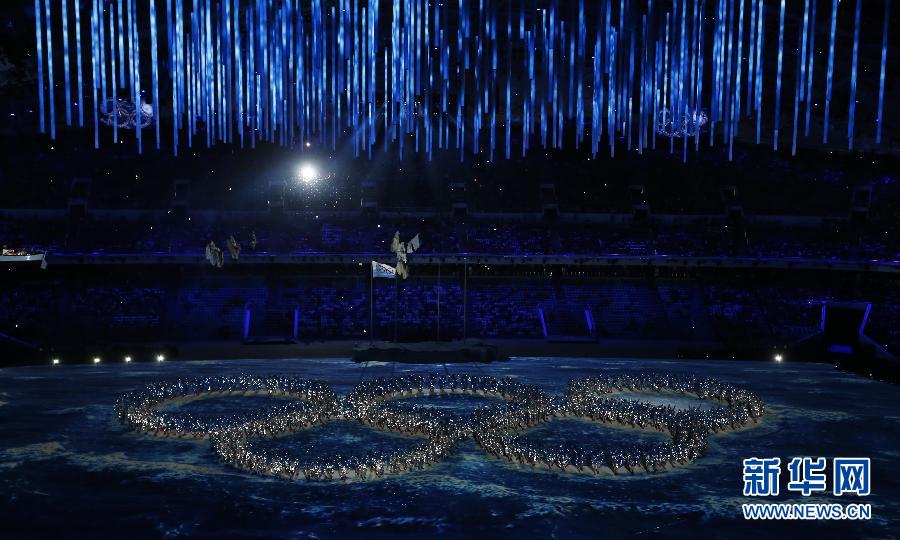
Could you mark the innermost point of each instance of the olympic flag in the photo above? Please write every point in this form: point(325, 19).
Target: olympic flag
point(381, 270)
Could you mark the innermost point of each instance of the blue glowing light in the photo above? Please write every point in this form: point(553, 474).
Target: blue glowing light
point(40, 61)
point(831, 34)
point(853, 75)
point(887, 13)
point(421, 76)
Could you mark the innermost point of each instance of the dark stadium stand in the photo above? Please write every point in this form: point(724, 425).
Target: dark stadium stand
point(738, 308)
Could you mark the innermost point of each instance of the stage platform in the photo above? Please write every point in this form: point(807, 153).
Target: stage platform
point(428, 352)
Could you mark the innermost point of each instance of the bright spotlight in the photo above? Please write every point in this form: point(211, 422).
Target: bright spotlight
point(96, 359)
point(308, 174)
point(127, 359)
point(160, 358)
point(56, 361)
point(778, 358)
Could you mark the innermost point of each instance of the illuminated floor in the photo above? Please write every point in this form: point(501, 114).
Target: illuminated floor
point(65, 462)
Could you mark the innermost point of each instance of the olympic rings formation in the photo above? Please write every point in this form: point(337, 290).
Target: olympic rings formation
point(495, 427)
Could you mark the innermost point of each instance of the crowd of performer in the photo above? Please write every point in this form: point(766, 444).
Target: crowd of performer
point(495, 427)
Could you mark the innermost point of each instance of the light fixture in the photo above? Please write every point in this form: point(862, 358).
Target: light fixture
point(56, 361)
point(160, 358)
point(96, 359)
point(778, 358)
point(127, 359)
point(308, 173)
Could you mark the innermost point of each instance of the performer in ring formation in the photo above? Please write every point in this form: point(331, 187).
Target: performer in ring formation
point(494, 427)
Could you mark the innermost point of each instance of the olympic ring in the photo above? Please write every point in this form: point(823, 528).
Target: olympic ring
point(688, 429)
point(140, 410)
point(495, 427)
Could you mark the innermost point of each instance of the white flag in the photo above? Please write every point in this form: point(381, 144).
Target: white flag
point(413, 245)
point(381, 270)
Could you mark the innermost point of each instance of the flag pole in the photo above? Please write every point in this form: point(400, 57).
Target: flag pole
point(465, 293)
point(439, 302)
point(396, 304)
point(371, 303)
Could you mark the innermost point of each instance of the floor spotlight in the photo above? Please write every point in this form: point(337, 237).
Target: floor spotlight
point(778, 358)
point(56, 361)
point(160, 358)
point(127, 359)
point(96, 359)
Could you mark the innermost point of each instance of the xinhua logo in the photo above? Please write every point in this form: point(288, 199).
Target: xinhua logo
point(808, 475)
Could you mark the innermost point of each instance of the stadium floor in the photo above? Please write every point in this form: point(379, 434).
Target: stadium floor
point(59, 434)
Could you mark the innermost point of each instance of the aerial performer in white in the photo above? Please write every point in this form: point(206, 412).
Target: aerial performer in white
point(402, 249)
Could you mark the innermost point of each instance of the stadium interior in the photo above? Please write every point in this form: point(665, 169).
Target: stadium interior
point(449, 269)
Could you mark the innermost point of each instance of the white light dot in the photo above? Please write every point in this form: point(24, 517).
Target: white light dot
point(308, 174)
